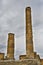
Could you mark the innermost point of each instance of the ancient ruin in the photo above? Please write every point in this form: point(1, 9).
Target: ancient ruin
point(31, 57)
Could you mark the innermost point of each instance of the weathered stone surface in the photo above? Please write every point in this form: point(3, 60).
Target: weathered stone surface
point(29, 56)
point(41, 61)
point(1, 56)
point(29, 38)
point(22, 57)
point(23, 62)
point(10, 47)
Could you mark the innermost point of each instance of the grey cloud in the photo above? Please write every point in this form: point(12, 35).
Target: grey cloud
point(18, 53)
point(38, 40)
point(2, 48)
point(36, 3)
point(9, 20)
point(37, 9)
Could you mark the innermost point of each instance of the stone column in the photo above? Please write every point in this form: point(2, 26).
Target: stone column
point(10, 48)
point(29, 38)
point(1, 56)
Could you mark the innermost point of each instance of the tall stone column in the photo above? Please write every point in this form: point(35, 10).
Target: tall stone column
point(10, 48)
point(29, 38)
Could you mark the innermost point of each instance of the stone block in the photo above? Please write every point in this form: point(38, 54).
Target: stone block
point(1, 56)
point(22, 57)
point(41, 61)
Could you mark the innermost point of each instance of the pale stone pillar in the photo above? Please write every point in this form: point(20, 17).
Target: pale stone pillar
point(10, 48)
point(29, 38)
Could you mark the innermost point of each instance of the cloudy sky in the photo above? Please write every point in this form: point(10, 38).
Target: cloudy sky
point(12, 19)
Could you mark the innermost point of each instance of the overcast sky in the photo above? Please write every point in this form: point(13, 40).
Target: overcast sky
point(12, 19)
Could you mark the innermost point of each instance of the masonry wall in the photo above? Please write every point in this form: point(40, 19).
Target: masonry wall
point(24, 62)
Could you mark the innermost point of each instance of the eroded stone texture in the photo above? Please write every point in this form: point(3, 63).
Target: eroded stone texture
point(29, 38)
point(23, 62)
point(41, 61)
point(22, 57)
point(10, 47)
point(1, 56)
point(29, 56)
